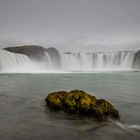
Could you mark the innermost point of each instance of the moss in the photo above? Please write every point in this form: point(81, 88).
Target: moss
point(55, 100)
point(107, 108)
point(105, 105)
point(80, 102)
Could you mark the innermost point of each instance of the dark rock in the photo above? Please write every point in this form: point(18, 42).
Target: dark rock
point(136, 61)
point(33, 51)
point(67, 52)
point(79, 102)
point(55, 57)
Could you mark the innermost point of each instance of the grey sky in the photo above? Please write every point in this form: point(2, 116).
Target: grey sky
point(71, 25)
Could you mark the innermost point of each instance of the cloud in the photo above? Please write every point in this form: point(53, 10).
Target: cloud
point(71, 25)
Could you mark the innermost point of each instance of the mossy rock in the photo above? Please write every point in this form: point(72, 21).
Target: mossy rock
point(82, 103)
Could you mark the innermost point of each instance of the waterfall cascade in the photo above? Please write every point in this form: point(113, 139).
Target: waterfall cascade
point(97, 61)
point(11, 61)
point(19, 63)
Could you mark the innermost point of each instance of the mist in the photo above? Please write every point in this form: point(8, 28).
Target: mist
point(71, 25)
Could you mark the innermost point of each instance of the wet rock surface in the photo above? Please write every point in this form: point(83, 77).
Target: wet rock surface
point(34, 52)
point(82, 103)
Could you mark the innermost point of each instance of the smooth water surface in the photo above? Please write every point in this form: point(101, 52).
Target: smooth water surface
point(25, 116)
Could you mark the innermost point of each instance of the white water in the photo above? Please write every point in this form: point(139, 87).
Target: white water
point(13, 62)
point(98, 61)
point(18, 63)
point(78, 62)
point(125, 126)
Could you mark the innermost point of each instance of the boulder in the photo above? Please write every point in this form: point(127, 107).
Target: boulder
point(82, 103)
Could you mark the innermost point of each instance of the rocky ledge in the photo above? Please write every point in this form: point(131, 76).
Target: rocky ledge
point(32, 51)
point(82, 103)
point(38, 53)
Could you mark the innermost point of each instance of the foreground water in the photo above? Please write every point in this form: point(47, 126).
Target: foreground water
point(24, 115)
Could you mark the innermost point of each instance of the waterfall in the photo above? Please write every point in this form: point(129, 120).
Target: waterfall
point(49, 61)
point(96, 61)
point(11, 61)
point(19, 63)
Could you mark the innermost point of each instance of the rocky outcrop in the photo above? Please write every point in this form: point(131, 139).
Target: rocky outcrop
point(80, 102)
point(136, 61)
point(38, 53)
point(33, 51)
point(55, 57)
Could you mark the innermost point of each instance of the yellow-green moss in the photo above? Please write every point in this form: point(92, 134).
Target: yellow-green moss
point(77, 101)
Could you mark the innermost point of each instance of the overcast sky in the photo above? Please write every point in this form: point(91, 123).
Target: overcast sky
point(71, 25)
